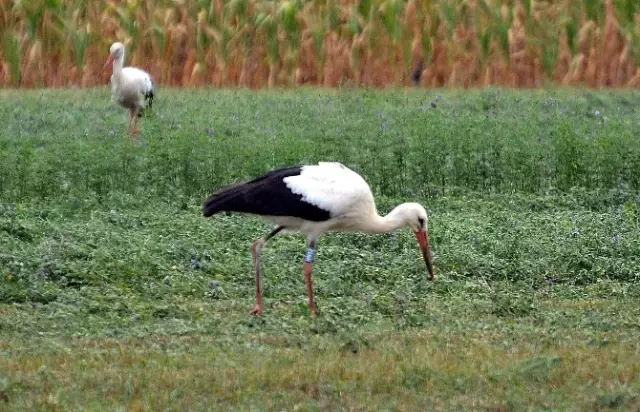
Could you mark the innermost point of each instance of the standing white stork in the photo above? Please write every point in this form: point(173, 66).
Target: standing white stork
point(130, 86)
point(314, 199)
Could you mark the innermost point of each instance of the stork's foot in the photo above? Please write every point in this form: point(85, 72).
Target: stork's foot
point(257, 310)
point(135, 132)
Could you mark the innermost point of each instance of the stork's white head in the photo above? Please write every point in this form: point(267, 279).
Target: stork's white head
point(116, 52)
point(413, 216)
point(117, 48)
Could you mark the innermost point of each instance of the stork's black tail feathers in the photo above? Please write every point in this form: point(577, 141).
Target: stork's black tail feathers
point(149, 99)
point(221, 200)
point(149, 96)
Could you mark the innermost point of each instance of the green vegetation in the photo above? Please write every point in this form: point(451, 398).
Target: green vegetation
point(116, 293)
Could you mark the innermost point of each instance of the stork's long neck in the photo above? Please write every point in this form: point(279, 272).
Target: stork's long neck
point(117, 67)
point(384, 224)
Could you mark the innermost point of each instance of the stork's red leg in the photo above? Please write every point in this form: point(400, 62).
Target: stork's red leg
point(135, 122)
point(129, 124)
point(308, 268)
point(255, 251)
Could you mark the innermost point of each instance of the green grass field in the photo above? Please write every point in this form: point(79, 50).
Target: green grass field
point(116, 294)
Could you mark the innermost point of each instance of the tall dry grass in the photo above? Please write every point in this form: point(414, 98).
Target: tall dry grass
point(258, 43)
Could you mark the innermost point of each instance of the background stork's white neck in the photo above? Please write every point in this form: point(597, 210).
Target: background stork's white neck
point(117, 65)
point(385, 224)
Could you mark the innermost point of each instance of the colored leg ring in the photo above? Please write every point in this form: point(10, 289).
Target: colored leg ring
point(309, 256)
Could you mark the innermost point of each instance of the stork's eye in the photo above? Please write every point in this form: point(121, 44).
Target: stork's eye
point(421, 221)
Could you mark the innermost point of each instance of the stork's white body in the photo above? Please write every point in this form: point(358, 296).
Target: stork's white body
point(314, 199)
point(337, 189)
point(130, 86)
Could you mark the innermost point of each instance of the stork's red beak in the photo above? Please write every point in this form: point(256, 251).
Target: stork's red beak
point(423, 240)
point(109, 60)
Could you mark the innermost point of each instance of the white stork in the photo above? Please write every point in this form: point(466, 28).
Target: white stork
point(130, 86)
point(314, 199)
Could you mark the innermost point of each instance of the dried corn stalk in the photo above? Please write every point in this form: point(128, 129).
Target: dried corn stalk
point(262, 43)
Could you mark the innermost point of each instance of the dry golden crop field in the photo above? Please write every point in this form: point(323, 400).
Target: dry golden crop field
point(259, 43)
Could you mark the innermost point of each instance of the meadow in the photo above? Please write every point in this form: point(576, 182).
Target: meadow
point(116, 294)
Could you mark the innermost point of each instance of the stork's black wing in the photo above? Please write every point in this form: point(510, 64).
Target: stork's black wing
point(266, 195)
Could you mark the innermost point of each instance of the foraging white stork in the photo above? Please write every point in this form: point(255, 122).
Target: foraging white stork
point(130, 86)
point(314, 199)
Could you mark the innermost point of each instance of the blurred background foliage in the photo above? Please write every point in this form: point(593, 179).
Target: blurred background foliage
point(260, 43)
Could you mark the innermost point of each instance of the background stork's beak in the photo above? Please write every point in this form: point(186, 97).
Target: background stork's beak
point(109, 61)
point(423, 240)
